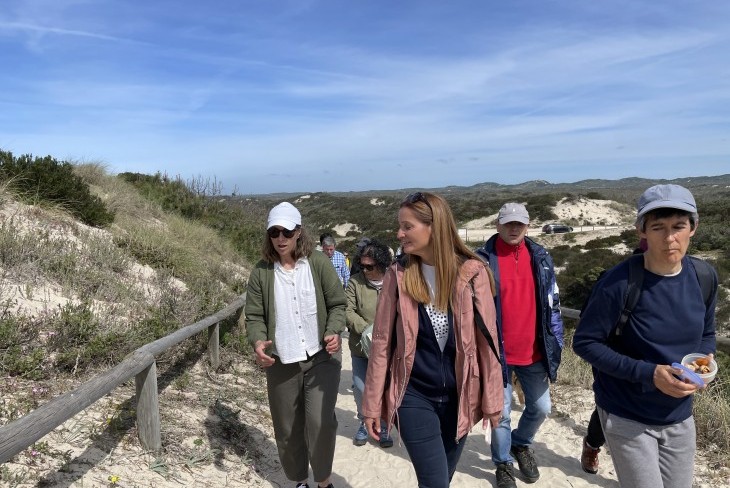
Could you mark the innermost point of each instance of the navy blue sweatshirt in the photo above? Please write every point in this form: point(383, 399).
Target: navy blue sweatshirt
point(434, 372)
point(669, 322)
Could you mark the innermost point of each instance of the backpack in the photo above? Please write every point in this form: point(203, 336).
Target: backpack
point(703, 271)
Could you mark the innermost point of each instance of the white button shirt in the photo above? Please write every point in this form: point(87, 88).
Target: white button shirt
point(297, 330)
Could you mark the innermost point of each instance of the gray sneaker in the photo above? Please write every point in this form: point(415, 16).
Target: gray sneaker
point(527, 463)
point(361, 436)
point(506, 476)
point(385, 439)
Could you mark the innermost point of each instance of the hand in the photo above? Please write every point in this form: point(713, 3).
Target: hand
point(262, 359)
point(667, 383)
point(491, 420)
point(332, 343)
point(373, 426)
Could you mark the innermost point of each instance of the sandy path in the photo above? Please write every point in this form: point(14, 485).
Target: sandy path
point(557, 448)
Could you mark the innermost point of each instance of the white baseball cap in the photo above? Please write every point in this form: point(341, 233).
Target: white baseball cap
point(284, 215)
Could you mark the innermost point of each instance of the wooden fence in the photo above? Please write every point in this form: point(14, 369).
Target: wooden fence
point(140, 364)
point(723, 343)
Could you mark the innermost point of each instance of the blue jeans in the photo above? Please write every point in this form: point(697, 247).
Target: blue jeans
point(536, 387)
point(359, 369)
point(428, 429)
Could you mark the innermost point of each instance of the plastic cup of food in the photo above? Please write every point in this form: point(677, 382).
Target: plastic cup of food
point(696, 361)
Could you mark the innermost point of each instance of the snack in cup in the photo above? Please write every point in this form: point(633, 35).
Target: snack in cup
point(702, 365)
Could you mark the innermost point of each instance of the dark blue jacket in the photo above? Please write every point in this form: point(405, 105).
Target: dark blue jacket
point(549, 322)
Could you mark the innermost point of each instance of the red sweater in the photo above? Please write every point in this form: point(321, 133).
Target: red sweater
point(517, 294)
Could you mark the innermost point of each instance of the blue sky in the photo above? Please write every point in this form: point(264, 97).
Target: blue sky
point(339, 95)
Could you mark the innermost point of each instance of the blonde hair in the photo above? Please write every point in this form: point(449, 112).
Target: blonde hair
point(449, 251)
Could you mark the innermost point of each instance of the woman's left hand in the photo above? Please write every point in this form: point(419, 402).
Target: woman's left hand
point(491, 420)
point(332, 343)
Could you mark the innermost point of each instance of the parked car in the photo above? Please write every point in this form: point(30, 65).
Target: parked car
point(556, 228)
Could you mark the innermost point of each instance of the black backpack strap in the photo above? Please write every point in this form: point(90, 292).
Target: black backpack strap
point(633, 291)
point(706, 278)
point(482, 326)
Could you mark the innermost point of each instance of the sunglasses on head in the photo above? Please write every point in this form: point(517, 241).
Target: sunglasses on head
point(367, 267)
point(275, 231)
point(417, 197)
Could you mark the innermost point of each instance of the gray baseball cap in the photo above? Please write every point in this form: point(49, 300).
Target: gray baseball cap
point(513, 212)
point(665, 196)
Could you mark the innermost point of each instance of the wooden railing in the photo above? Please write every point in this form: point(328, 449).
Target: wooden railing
point(723, 343)
point(140, 364)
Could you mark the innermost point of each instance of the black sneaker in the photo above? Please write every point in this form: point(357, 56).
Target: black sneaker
point(506, 476)
point(526, 461)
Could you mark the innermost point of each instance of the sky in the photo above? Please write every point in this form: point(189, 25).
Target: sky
point(267, 96)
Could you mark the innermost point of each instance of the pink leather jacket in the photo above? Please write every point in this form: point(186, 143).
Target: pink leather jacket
point(478, 372)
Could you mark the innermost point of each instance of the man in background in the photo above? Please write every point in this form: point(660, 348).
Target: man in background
point(530, 329)
point(337, 258)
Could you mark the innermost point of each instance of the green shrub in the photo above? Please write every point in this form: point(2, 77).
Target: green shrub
point(75, 325)
point(560, 254)
point(25, 362)
point(48, 180)
point(102, 350)
point(604, 242)
point(581, 272)
point(240, 221)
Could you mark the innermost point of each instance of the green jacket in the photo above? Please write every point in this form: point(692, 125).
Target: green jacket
point(260, 302)
point(362, 299)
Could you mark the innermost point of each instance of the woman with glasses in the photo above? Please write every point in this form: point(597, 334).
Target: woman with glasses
point(431, 370)
point(362, 297)
point(295, 312)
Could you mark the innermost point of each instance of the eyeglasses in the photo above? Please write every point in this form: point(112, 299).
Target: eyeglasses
point(367, 267)
point(417, 197)
point(275, 231)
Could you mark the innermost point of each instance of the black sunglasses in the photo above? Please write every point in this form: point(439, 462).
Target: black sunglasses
point(274, 232)
point(368, 267)
point(417, 197)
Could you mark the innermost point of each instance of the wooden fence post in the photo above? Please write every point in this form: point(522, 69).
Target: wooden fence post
point(148, 408)
point(214, 349)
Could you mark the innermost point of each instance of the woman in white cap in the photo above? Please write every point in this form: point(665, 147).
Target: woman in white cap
point(295, 312)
